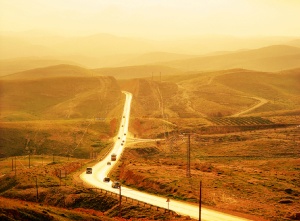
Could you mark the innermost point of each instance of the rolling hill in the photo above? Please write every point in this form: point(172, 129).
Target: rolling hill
point(272, 58)
point(141, 71)
point(153, 58)
point(61, 70)
point(57, 92)
point(215, 94)
point(11, 66)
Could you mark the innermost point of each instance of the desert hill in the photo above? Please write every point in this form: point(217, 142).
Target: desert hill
point(61, 70)
point(295, 43)
point(11, 66)
point(141, 71)
point(57, 92)
point(154, 57)
point(272, 58)
point(212, 94)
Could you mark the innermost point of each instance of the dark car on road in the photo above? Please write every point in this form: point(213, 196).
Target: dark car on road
point(89, 170)
point(106, 179)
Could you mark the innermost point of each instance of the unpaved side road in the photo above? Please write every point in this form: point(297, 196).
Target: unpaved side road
point(262, 102)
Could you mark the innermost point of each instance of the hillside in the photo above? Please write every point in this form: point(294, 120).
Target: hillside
point(215, 94)
point(154, 57)
point(272, 58)
point(10, 66)
point(141, 71)
point(55, 92)
point(61, 70)
point(295, 43)
point(39, 193)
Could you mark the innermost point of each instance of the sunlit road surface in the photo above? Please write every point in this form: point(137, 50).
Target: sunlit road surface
point(101, 169)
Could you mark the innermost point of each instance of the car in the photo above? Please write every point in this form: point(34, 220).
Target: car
point(122, 144)
point(106, 179)
point(108, 163)
point(119, 137)
point(113, 157)
point(125, 134)
point(116, 184)
point(89, 170)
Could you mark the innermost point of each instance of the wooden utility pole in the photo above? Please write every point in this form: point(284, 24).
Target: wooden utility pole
point(29, 159)
point(12, 164)
point(37, 191)
point(188, 166)
point(15, 166)
point(200, 199)
point(120, 202)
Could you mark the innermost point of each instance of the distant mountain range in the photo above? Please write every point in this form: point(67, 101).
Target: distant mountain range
point(106, 50)
point(272, 58)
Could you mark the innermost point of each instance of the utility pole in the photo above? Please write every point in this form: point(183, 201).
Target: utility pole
point(200, 199)
point(29, 159)
point(120, 202)
point(12, 164)
point(37, 191)
point(188, 166)
point(15, 166)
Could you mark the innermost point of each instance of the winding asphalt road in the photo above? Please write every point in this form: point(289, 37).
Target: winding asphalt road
point(101, 170)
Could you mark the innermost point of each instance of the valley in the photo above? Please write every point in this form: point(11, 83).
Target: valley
point(139, 110)
point(243, 126)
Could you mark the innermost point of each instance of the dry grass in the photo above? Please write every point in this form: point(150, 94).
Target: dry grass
point(22, 210)
point(76, 138)
point(244, 167)
point(60, 199)
point(249, 172)
point(58, 92)
point(214, 94)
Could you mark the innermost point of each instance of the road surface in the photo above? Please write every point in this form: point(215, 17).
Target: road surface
point(101, 169)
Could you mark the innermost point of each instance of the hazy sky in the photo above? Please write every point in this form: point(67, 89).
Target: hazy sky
point(153, 18)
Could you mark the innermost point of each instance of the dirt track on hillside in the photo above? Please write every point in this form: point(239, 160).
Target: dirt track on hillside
point(262, 102)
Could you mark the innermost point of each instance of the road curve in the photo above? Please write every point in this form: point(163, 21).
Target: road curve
point(101, 169)
point(261, 100)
